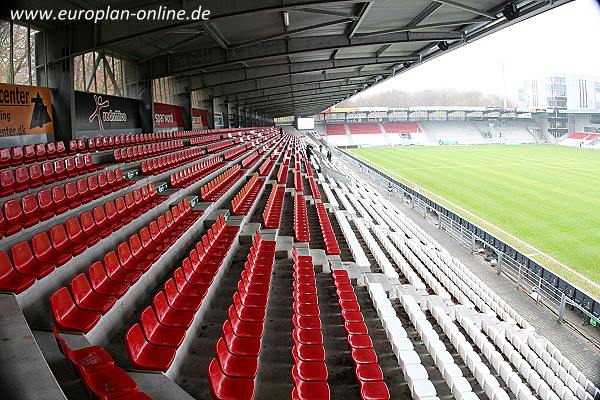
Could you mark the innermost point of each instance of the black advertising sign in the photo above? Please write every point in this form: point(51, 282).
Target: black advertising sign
point(99, 112)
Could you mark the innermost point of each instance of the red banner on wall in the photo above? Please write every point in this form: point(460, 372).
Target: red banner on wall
point(199, 118)
point(168, 116)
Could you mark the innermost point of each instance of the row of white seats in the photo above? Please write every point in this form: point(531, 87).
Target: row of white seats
point(366, 204)
point(464, 278)
point(360, 211)
point(385, 265)
point(458, 384)
point(355, 248)
point(481, 372)
point(328, 193)
point(539, 385)
point(415, 374)
point(489, 297)
point(553, 357)
point(420, 269)
point(400, 261)
point(341, 195)
point(534, 368)
point(460, 284)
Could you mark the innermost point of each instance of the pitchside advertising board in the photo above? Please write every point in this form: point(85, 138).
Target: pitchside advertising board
point(102, 114)
point(25, 110)
point(199, 118)
point(168, 117)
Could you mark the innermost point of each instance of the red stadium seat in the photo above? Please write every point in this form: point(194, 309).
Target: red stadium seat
point(60, 241)
point(159, 334)
point(59, 198)
point(25, 262)
point(110, 383)
point(87, 299)
point(43, 250)
point(10, 279)
point(145, 355)
point(118, 273)
point(224, 387)
point(68, 316)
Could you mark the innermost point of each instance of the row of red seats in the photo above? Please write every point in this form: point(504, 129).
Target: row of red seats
point(309, 372)
point(81, 308)
point(222, 145)
point(29, 153)
point(244, 199)
point(51, 249)
point(316, 194)
point(153, 342)
point(24, 178)
point(301, 229)
point(30, 209)
point(273, 208)
point(206, 139)
point(331, 244)
point(267, 166)
point(282, 174)
point(190, 175)
point(249, 161)
point(164, 163)
point(232, 372)
point(133, 153)
point(298, 184)
point(366, 366)
point(108, 142)
point(215, 188)
point(101, 377)
point(309, 171)
point(231, 154)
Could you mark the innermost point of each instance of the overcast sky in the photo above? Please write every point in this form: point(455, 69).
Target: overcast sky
point(565, 39)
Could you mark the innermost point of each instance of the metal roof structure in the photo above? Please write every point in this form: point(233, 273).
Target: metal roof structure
point(293, 57)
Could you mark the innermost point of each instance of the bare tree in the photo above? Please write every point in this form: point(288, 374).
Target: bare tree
point(21, 53)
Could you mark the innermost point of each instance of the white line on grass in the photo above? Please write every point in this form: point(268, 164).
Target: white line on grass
point(536, 250)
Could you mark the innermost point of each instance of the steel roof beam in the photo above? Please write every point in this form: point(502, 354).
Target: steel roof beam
point(293, 96)
point(296, 89)
point(244, 74)
point(467, 8)
point(254, 85)
point(216, 35)
point(186, 61)
point(361, 17)
point(416, 28)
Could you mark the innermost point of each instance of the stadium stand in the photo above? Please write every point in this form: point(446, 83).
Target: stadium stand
point(161, 238)
point(581, 140)
point(429, 133)
point(137, 273)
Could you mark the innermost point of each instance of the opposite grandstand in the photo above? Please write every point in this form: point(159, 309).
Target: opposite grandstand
point(528, 195)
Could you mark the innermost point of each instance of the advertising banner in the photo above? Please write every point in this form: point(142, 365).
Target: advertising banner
point(99, 113)
point(25, 110)
point(168, 117)
point(199, 118)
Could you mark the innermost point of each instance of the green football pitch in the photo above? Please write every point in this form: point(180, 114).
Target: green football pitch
point(542, 199)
